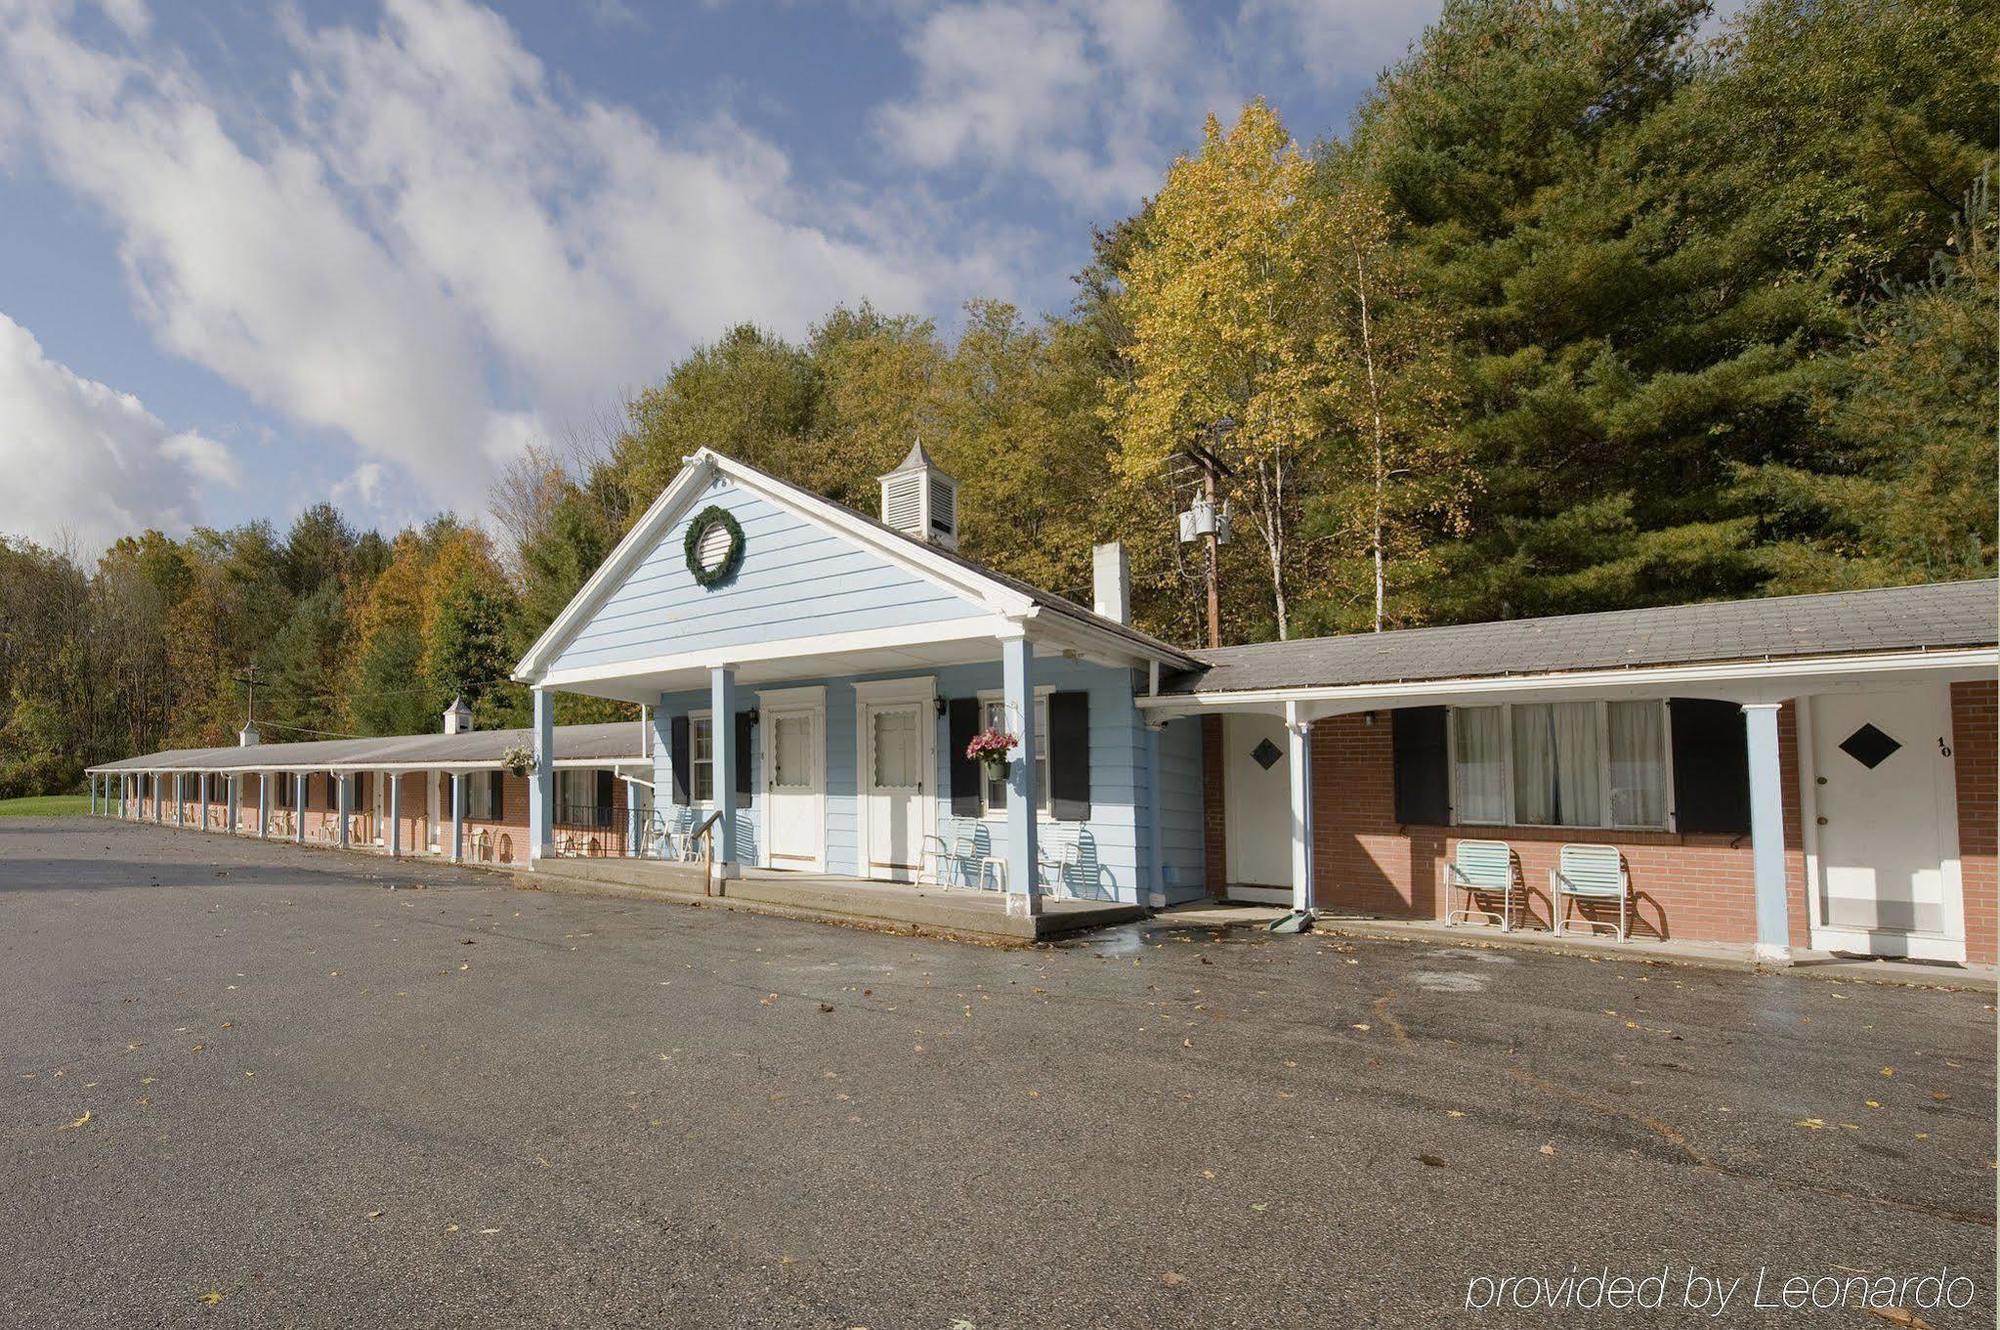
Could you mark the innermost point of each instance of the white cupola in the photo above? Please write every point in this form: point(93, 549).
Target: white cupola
point(457, 717)
point(920, 500)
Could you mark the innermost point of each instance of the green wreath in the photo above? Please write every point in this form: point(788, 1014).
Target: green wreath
point(704, 521)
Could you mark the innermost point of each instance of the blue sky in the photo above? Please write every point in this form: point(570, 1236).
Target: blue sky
point(260, 257)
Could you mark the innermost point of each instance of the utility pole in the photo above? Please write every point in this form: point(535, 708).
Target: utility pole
point(1214, 555)
point(1213, 469)
point(249, 680)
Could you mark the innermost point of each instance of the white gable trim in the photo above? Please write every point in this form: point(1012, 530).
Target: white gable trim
point(682, 494)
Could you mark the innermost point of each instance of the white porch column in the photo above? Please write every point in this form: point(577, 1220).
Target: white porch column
point(201, 783)
point(263, 805)
point(394, 840)
point(180, 801)
point(1017, 682)
point(1298, 757)
point(722, 747)
point(458, 817)
point(631, 820)
point(541, 782)
point(343, 799)
point(234, 797)
point(1157, 890)
point(1767, 832)
point(298, 808)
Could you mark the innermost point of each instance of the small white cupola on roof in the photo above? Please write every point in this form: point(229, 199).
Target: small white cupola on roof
point(457, 717)
point(920, 500)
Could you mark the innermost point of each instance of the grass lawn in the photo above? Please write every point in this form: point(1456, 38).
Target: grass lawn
point(46, 805)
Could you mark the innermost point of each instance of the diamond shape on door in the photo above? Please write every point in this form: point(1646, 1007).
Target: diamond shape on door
point(1266, 754)
point(1869, 746)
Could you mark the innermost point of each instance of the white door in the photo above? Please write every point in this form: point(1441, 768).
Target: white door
point(1257, 808)
point(892, 766)
point(380, 786)
point(794, 783)
point(1886, 824)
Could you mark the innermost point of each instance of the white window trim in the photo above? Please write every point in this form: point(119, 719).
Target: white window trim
point(1603, 705)
point(987, 696)
point(693, 716)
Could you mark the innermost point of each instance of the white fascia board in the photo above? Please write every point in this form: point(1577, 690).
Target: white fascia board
point(681, 492)
point(626, 554)
point(1109, 649)
point(830, 644)
point(316, 768)
point(1769, 680)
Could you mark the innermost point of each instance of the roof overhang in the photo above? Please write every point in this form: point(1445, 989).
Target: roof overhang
point(1771, 680)
point(685, 490)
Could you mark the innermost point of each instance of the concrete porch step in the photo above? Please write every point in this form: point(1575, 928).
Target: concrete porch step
point(970, 915)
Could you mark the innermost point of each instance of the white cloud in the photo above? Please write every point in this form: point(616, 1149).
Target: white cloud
point(87, 461)
point(1341, 39)
point(1072, 94)
point(1093, 98)
point(433, 250)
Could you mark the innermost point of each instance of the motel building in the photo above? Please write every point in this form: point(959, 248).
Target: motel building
point(1807, 772)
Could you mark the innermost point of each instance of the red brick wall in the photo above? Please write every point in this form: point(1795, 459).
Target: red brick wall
point(1975, 755)
point(1215, 856)
point(1697, 887)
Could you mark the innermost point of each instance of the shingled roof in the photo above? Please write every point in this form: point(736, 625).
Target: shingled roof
point(613, 741)
point(1918, 618)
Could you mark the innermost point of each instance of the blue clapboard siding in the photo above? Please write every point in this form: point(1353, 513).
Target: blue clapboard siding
point(1113, 861)
point(1182, 829)
point(797, 579)
point(1117, 859)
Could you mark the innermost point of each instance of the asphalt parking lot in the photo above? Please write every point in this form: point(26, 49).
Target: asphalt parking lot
point(262, 1085)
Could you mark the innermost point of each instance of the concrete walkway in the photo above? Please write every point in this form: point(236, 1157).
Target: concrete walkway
point(1812, 964)
point(977, 916)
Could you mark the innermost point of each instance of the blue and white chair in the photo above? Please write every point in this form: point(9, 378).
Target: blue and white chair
point(1590, 875)
point(1485, 870)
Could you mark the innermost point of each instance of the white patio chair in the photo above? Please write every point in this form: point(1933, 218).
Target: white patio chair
point(960, 855)
point(1587, 875)
point(1055, 868)
point(1483, 869)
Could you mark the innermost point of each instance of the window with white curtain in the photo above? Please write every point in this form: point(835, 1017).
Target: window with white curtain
point(1562, 764)
point(1479, 764)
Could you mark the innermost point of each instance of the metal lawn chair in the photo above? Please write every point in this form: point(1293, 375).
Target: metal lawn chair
point(1590, 874)
point(1483, 869)
point(1056, 868)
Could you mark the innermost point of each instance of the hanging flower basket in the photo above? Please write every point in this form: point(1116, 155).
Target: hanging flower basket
point(520, 759)
point(992, 750)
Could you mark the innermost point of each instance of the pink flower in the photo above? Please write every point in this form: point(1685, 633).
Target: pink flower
point(990, 746)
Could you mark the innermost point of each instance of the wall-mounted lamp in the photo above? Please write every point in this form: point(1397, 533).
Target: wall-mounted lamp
point(942, 706)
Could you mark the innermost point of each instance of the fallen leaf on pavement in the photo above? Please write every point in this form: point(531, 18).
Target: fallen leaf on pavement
point(1173, 1279)
point(78, 1123)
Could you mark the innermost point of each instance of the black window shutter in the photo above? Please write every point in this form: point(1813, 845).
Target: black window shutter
point(1423, 766)
point(677, 751)
point(498, 789)
point(1069, 756)
point(740, 758)
point(605, 795)
point(1711, 766)
point(962, 726)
